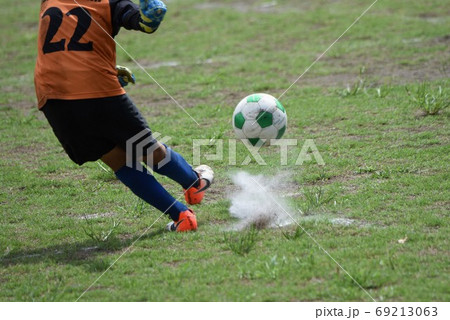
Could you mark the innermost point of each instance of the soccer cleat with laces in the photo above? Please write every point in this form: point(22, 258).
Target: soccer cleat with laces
point(186, 222)
point(195, 195)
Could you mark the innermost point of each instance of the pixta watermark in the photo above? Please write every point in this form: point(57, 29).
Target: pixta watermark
point(307, 152)
point(141, 146)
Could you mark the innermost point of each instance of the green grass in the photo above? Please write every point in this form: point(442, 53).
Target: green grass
point(386, 164)
point(430, 101)
point(244, 242)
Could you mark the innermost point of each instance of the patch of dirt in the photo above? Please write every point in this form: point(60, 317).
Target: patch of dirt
point(254, 6)
point(28, 155)
point(61, 175)
point(439, 206)
point(157, 65)
point(212, 221)
point(24, 104)
point(433, 252)
point(27, 90)
point(329, 180)
point(351, 189)
point(173, 64)
point(432, 18)
point(442, 40)
point(349, 222)
point(332, 80)
point(380, 73)
point(418, 129)
point(215, 194)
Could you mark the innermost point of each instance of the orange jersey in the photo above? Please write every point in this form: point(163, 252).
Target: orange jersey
point(76, 52)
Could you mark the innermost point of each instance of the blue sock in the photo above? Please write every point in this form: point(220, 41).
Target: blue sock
point(178, 170)
point(145, 186)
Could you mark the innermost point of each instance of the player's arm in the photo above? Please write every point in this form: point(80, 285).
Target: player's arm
point(146, 16)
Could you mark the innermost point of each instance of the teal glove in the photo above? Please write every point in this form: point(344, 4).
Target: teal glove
point(125, 76)
point(152, 13)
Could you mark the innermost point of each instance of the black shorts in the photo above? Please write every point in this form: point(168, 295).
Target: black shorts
point(90, 128)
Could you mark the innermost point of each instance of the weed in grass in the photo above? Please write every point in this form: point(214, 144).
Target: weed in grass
point(366, 169)
point(366, 278)
point(405, 170)
point(214, 136)
point(270, 269)
point(391, 259)
point(139, 208)
point(91, 188)
point(105, 174)
point(311, 260)
point(249, 271)
point(273, 267)
point(102, 237)
point(376, 174)
point(381, 174)
point(322, 176)
point(293, 235)
point(430, 101)
point(6, 252)
point(247, 274)
point(383, 91)
point(242, 242)
point(316, 197)
point(98, 265)
point(359, 86)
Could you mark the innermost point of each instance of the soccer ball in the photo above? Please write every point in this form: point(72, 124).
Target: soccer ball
point(259, 117)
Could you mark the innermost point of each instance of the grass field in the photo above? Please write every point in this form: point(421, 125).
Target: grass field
point(386, 173)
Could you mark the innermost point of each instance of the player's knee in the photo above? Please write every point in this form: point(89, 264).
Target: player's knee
point(115, 159)
point(159, 154)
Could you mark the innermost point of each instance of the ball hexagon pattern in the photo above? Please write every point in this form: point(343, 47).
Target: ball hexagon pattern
point(259, 118)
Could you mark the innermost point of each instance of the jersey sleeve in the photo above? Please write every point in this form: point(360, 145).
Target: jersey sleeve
point(124, 13)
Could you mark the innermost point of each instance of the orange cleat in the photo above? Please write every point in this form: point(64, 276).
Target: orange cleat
point(186, 222)
point(195, 195)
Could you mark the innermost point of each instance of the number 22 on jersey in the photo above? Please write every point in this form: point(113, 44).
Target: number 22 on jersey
point(56, 19)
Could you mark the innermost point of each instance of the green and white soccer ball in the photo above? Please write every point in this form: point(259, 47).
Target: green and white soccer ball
point(259, 117)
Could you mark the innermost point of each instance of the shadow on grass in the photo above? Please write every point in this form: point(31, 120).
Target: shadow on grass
point(80, 253)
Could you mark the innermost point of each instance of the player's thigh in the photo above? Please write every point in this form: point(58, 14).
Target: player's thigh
point(128, 128)
point(74, 124)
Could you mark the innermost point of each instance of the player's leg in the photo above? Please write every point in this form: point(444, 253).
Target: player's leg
point(175, 167)
point(116, 158)
point(91, 129)
point(146, 187)
point(194, 181)
point(130, 125)
point(125, 123)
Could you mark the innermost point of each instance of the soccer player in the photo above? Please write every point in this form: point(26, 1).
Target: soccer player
point(81, 93)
